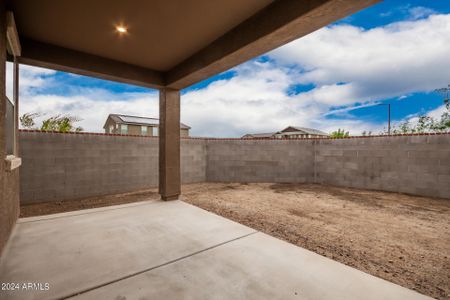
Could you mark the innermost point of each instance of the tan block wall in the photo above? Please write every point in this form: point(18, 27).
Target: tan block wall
point(260, 161)
point(418, 165)
point(68, 166)
point(58, 166)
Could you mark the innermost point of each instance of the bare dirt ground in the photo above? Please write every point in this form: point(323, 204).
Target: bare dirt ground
point(403, 239)
point(30, 210)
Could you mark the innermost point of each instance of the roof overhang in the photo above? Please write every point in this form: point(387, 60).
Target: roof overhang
point(170, 44)
point(13, 37)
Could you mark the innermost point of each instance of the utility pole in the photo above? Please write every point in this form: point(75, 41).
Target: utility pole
point(389, 116)
point(389, 119)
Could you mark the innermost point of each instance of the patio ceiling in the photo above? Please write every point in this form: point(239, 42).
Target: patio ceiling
point(169, 43)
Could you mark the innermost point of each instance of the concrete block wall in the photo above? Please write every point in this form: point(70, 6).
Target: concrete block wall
point(418, 165)
point(59, 167)
point(260, 161)
point(193, 160)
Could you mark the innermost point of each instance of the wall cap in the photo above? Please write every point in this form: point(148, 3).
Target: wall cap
point(240, 139)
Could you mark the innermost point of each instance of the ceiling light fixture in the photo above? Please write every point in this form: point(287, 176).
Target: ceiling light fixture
point(121, 29)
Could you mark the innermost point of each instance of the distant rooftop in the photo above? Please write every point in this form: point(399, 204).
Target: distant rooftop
point(290, 130)
point(306, 130)
point(136, 120)
point(259, 135)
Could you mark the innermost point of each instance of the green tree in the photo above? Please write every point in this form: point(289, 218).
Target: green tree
point(403, 128)
point(27, 120)
point(443, 124)
point(61, 123)
point(426, 124)
point(340, 134)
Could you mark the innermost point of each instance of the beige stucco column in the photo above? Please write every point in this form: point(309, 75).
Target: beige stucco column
point(169, 144)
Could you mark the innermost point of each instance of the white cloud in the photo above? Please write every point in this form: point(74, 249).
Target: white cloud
point(31, 77)
point(92, 108)
point(419, 12)
point(413, 119)
point(390, 61)
point(437, 112)
point(410, 12)
point(255, 100)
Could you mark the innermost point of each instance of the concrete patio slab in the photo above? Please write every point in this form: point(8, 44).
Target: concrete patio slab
point(76, 252)
point(172, 250)
point(257, 266)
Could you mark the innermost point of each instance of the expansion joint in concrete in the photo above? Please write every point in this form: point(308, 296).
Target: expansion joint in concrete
point(156, 267)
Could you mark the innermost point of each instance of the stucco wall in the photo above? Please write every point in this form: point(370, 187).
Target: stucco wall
point(9, 203)
point(9, 181)
point(68, 166)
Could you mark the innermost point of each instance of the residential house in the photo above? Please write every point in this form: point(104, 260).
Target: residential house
point(123, 124)
point(290, 132)
point(294, 132)
point(268, 135)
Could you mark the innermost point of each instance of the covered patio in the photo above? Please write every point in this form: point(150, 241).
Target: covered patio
point(156, 250)
point(171, 250)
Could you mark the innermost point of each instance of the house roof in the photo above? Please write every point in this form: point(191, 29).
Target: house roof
point(259, 135)
point(136, 120)
point(305, 130)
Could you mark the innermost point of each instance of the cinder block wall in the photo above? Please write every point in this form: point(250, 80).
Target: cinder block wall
point(418, 165)
point(193, 160)
point(260, 161)
point(60, 167)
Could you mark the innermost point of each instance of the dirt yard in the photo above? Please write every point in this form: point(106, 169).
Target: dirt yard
point(403, 239)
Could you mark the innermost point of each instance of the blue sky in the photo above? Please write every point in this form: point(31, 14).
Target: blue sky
point(394, 52)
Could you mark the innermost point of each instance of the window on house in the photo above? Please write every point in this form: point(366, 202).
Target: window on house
point(144, 130)
point(155, 131)
point(123, 129)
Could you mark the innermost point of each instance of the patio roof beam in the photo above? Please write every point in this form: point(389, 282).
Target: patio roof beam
point(62, 59)
point(277, 24)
